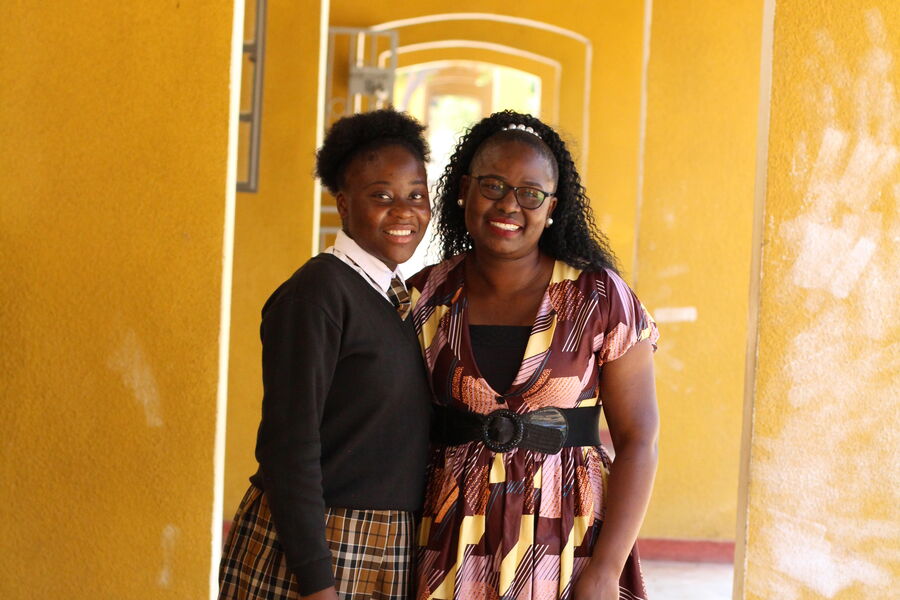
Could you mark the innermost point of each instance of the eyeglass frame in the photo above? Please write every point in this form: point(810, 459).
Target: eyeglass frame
point(515, 191)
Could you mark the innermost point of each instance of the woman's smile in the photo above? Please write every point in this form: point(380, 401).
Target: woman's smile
point(505, 227)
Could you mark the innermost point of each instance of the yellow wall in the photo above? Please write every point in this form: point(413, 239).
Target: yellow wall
point(274, 227)
point(694, 241)
point(114, 124)
point(822, 510)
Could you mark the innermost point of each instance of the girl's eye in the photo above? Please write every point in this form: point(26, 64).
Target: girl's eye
point(382, 196)
point(417, 197)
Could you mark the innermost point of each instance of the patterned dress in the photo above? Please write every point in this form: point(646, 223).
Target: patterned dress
point(520, 525)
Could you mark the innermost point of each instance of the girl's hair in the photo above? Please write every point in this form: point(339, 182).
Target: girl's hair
point(356, 134)
point(573, 237)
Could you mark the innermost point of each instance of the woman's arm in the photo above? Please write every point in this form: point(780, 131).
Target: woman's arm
point(629, 401)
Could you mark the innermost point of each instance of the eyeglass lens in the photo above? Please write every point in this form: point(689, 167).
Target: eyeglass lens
point(495, 189)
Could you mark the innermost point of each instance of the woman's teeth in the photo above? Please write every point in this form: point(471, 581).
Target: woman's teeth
point(505, 226)
point(400, 232)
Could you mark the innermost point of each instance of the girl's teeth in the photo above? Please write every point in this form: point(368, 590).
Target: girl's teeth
point(400, 232)
point(506, 226)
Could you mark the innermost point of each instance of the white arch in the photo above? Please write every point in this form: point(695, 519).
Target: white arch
point(474, 16)
point(499, 48)
point(502, 48)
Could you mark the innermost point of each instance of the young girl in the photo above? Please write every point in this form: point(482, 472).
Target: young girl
point(343, 440)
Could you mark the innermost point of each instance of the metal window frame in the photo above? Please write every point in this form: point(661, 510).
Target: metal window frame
point(256, 52)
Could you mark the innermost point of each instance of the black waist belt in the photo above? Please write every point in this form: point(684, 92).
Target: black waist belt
point(545, 430)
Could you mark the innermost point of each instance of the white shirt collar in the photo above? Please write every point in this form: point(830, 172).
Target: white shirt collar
point(374, 268)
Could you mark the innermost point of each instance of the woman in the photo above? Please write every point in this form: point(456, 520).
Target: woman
point(526, 329)
point(329, 513)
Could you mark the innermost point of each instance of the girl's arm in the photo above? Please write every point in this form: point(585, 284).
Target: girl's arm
point(300, 350)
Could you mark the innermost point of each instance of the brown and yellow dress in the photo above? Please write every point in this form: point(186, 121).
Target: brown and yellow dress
point(521, 524)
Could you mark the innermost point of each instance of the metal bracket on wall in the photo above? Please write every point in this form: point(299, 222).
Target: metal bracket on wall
point(364, 85)
point(255, 51)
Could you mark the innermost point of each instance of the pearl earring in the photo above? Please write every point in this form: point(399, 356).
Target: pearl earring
point(549, 221)
point(460, 202)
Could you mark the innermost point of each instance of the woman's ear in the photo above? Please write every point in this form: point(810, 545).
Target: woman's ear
point(464, 182)
point(552, 206)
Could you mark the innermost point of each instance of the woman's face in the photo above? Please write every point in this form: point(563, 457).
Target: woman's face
point(384, 204)
point(501, 228)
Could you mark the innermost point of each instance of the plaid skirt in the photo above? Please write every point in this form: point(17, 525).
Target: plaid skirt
point(371, 554)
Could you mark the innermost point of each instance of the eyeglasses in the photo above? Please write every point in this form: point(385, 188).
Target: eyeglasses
point(494, 188)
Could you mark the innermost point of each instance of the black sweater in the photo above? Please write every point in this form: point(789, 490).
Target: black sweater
point(346, 408)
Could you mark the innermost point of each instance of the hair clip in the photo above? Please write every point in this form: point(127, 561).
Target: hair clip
point(520, 127)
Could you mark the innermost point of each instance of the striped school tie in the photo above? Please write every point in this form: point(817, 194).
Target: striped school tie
point(399, 297)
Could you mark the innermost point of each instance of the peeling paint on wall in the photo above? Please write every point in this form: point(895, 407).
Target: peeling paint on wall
point(803, 549)
point(823, 476)
point(673, 271)
point(130, 361)
point(168, 539)
point(675, 314)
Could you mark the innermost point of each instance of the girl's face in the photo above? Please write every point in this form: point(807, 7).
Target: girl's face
point(384, 204)
point(502, 228)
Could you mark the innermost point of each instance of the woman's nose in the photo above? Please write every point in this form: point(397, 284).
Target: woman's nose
point(508, 203)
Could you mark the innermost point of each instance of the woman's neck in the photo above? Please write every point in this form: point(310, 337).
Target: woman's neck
point(505, 276)
point(506, 292)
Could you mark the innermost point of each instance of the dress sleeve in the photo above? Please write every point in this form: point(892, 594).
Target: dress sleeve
point(625, 321)
point(300, 346)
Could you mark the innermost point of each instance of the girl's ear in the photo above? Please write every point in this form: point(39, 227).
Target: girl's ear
point(342, 205)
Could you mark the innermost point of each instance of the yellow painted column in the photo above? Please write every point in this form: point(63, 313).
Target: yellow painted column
point(114, 151)
point(693, 253)
point(273, 227)
point(821, 519)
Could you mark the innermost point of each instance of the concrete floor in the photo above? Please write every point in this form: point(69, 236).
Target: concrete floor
point(667, 580)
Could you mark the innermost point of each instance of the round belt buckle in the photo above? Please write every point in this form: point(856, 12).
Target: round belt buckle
point(490, 422)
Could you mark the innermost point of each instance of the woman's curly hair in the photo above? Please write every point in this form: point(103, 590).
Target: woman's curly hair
point(573, 238)
point(353, 135)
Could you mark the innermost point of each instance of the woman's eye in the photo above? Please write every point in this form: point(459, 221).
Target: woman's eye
point(531, 193)
point(418, 197)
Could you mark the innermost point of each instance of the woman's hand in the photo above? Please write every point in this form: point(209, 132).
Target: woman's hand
point(594, 584)
point(326, 594)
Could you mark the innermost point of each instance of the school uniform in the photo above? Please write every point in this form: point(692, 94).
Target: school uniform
point(343, 441)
